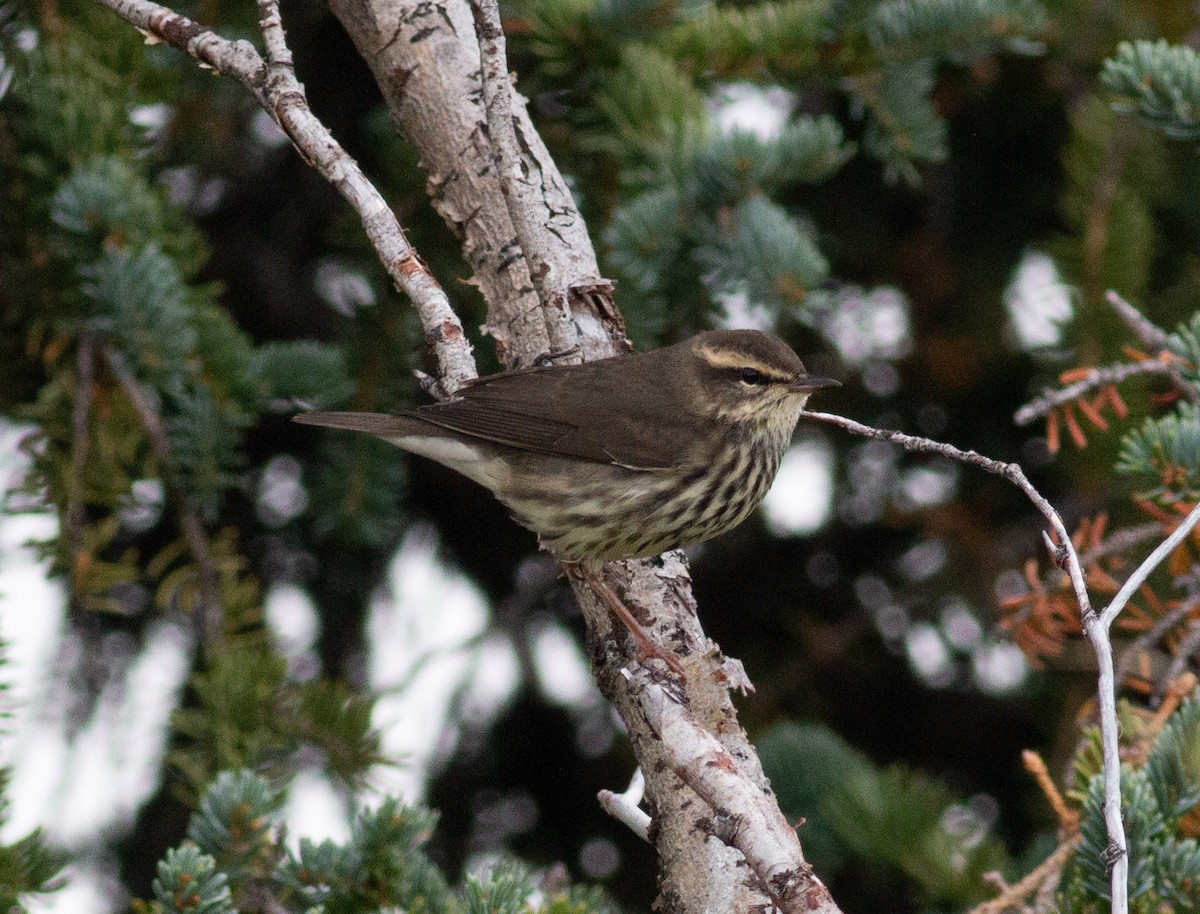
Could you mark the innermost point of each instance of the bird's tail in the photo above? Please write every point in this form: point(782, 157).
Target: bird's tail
point(380, 424)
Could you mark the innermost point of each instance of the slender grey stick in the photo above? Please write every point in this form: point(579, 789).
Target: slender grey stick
point(1151, 636)
point(1097, 378)
point(1152, 561)
point(1096, 629)
point(1149, 334)
point(1188, 645)
point(273, 83)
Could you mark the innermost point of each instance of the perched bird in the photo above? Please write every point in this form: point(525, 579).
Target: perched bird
point(620, 458)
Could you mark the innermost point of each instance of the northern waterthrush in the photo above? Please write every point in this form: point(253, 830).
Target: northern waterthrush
point(620, 458)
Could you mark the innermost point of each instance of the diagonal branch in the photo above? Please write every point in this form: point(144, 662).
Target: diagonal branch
point(210, 616)
point(744, 816)
point(1149, 334)
point(1149, 638)
point(1097, 378)
point(1152, 561)
point(1096, 627)
point(273, 83)
point(1016, 893)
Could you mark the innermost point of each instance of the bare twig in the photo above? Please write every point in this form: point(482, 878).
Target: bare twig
point(210, 613)
point(521, 188)
point(1012, 896)
point(625, 808)
point(1189, 645)
point(1010, 471)
point(1095, 627)
point(273, 83)
point(1152, 561)
point(1097, 378)
point(85, 373)
point(1121, 541)
point(1149, 334)
point(1068, 819)
point(1149, 638)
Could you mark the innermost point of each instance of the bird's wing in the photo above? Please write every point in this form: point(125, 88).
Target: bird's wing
point(586, 411)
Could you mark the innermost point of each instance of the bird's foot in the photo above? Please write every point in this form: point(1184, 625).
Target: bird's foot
point(646, 644)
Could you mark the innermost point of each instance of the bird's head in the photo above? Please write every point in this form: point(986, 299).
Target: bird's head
point(749, 375)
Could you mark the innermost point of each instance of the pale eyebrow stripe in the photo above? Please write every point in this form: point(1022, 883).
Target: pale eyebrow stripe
point(728, 358)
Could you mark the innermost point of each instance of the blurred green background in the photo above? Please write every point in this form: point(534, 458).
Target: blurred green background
point(928, 200)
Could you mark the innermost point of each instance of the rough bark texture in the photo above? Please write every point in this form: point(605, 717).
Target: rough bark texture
point(426, 59)
point(424, 56)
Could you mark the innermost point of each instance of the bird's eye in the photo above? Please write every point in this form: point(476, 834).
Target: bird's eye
point(752, 376)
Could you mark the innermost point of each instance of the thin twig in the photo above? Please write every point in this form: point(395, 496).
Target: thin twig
point(1149, 334)
point(209, 617)
point(1152, 561)
point(1012, 896)
point(1068, 819)
point(85, 373)
point(1153, 337)
point(625, 807)
point(1010, 471)
point(1121, 541)
point(1149, 638)
point(273, 83)
point(525, 203)
point(1189, 645)
point(1097, 378)
point(1095, 628)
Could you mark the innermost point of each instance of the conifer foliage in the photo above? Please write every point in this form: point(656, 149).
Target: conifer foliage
point(153, 348)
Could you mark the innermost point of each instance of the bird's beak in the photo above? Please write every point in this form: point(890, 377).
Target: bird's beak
point(806, 383)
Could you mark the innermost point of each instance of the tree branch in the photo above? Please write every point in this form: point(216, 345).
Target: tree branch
point(427, 60)
point(210, 616)
point(744, 816)
point(1096, 627)
point(1149, 638)
point(273, 83)
point(1012, 896)
point(1149, 334)
point(1152, 561)
point(1097, 378)
point(526, 206)
point(625, 807)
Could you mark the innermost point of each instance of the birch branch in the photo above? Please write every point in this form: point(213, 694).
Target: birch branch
point(1095, 627)
point(744, 816)
point(625, 807)
point(517, 179)
point(273, 83)
point(427, 60)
